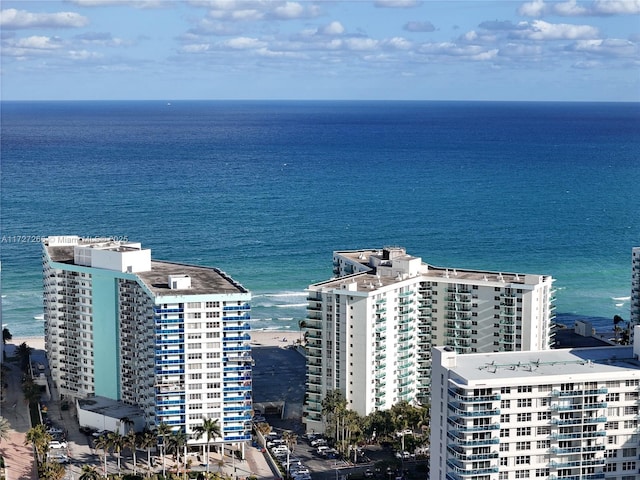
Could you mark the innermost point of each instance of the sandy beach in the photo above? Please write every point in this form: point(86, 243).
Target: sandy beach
point(265, 338)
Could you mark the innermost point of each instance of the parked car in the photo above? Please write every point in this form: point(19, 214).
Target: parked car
point(318, 442)
point(55, 444)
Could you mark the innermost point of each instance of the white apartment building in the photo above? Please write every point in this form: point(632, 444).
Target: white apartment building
point(170, 338)
point(635, 286)
point(569, 414)
point(370, 330)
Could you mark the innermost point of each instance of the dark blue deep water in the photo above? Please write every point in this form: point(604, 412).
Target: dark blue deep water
point(267, 190)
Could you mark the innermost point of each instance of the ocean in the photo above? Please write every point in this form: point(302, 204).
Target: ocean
point(266, 191)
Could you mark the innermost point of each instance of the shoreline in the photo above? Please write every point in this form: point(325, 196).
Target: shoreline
point(259, 338)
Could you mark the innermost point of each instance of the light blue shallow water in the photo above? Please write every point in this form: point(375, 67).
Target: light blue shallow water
point(267, 190)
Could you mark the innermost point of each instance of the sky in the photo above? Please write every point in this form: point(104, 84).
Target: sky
point(320, 50)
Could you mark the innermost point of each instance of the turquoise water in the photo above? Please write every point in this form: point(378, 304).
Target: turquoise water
point(268, 190)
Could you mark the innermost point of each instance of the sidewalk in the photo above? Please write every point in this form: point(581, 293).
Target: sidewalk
point(19, 458)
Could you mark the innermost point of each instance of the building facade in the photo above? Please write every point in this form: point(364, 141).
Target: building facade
point(171, 338)
point(370, 330)
point(635, 286)
point(568, 414)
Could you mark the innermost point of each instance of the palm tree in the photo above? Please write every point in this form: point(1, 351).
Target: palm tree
point(148, 440)
point(89, 473)
point(4, 429)
point(290, 439)
point(24, 354)
point(131, 441)
point(617, 319)
point(39, 438)
point(175, 445)
point(163, 430)
point(31, 391)
point(301, 324)
point(128, 423)
point(211, 429)
point(116, 441)
point(334, 406)
point(51, 471)
point(104, 443)
point(6, 335)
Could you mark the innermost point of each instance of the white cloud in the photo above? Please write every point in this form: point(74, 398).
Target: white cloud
point(237, 15)
point(569, 9)
point(334, 28)
point(455, 50)
point(621, 7)
point(15, 19)
point(83, 55)
point(38, 43)
point(488, 55)
point(532, 9)
point(611, 47)
point(398, 43)
point(244, 43)
point(360, 43)
point(195, 48)
point(268, 53)
point(541, 30)
point(289, 10)
point(586, 65)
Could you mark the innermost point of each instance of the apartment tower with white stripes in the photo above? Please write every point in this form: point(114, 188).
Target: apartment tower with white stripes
point(170, 338)
point(635, 286)
point(561, 414)
point(370, 329)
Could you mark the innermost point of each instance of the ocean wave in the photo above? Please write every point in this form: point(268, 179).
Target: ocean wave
point(621, 298)
point(291, 305)
point(283, 294)
point(39, 317)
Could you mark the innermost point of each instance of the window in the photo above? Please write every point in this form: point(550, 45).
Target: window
point(504, 418)
point(523, 445)
point(522, 473)
point(543, 444)
point(522, 431)
point(504, 447)
point(524, 402)
point(524, 417)
point(610, 467)
point(505, 403)
point(543, 430)
point(505, 390)
point(523, 460)
point(629, 452)
point(504, 462)
point(544, 415)
point(628, 466)
point(524, 388)
point(504, 432)
point(542, 472)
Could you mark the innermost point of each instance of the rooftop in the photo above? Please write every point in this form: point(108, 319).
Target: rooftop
point(564, 365)
point(368, 281)
point(204, 280)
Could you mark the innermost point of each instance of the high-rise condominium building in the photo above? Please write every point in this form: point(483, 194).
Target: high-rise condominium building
point(371, 329)
point(635, 286)
point(569, 414)
point(170, 338)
